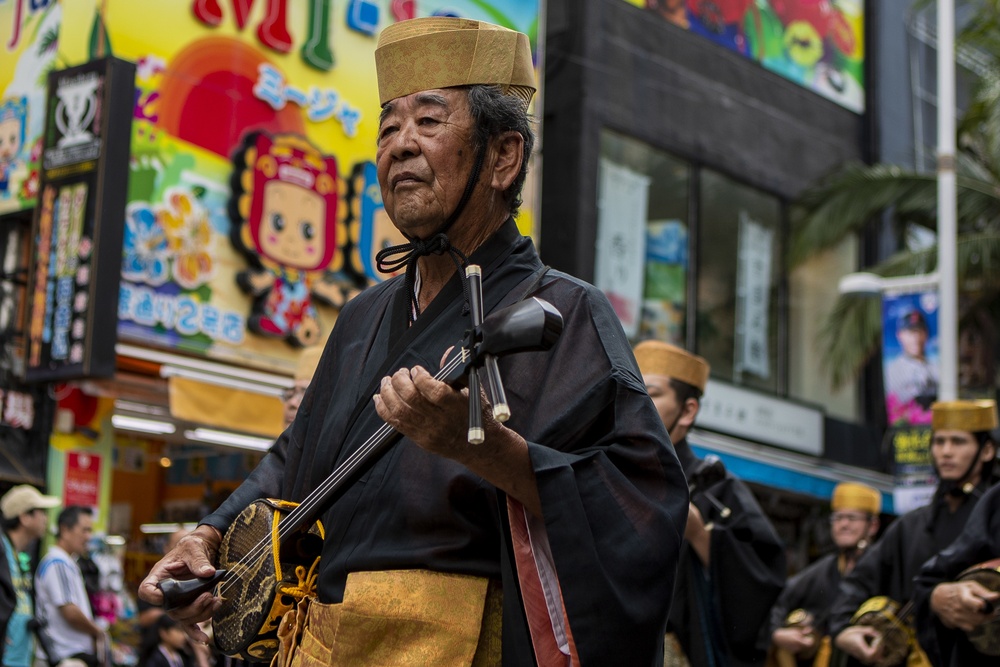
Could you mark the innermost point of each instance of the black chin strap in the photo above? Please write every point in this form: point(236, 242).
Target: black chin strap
point(393, 258)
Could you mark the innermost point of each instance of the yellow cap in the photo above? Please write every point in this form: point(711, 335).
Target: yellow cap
point(659, 358)
point(308, 361)
point(855, 496)
point(442, 52)
point(979, 415)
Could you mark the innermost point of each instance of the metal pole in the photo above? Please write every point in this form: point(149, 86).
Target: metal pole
point(946, 265)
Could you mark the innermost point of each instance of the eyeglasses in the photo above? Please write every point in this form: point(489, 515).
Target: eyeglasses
point(853, 517)
point(293, 392)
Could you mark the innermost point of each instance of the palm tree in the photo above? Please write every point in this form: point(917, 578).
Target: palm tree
point(842, 204)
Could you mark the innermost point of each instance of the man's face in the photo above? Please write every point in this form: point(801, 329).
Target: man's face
point(664, 398)
point(912, 341)
point(36, 522)
point(75, 539)
point(848, 527)
point(293, 398)
point(424, 157)
point(954, 452)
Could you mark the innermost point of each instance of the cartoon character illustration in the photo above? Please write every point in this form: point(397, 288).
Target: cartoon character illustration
point(13, 119)
point(284, 209)
point(371, 228)
point(672, 10)
point(720, 20)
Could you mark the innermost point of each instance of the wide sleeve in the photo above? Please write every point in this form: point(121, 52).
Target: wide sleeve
point(978, 542)
point(790, 598)
point(747, 566)
point(613, 495)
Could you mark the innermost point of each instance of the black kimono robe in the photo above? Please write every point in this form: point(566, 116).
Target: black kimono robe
point(979, 542)
point(718, 615)
point(813, 589)
point(613, 494)
point(888, 567)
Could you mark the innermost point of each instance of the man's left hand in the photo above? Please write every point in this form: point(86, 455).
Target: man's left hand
point(964, 604)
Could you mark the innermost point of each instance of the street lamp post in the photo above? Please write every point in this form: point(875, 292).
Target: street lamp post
point(946, 206)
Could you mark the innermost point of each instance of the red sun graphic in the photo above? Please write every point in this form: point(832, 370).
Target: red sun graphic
point(207, 96)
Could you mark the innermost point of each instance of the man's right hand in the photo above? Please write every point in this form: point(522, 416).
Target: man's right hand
point(795, 640)
point(862, 642)
point(193, 557)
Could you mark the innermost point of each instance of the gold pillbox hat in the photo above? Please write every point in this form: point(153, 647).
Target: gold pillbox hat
point(308, 361)
point(976, 415)
point(855, 496)
point(442, 52)
point(659, 358)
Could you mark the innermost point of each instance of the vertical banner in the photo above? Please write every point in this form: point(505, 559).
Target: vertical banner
point(910, 366)
point(622, 200)
point(910, 356)
point(78, 225)
point(753, 295)
point(665, 297)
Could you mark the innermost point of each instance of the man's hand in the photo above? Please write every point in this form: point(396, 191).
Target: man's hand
point(436, 417)
point(192, 557)
point(862, 642)
point(964, 604)
point(797, 639)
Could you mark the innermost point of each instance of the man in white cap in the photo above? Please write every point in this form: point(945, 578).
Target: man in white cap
point(557, 538)
point(24, 522)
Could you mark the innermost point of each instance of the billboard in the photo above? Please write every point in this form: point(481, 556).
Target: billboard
point(818, 44)
point(238, 105)
point(29, 35)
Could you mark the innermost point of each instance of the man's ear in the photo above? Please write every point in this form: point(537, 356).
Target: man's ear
point(508, 151)
point(689, 412)
point(989, 451)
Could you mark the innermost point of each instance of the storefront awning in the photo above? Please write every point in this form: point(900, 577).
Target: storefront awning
point(770, 466)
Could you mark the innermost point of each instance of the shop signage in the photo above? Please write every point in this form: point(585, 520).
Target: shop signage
point(77, 227)
point(82, 482)
point(747, 414)
point(224, 90)
point(817, 44)
point(30, 30)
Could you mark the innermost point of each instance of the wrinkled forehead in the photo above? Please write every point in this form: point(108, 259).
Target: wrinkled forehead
point(446, 99)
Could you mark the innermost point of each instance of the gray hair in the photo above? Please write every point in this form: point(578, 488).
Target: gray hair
point(495, 113)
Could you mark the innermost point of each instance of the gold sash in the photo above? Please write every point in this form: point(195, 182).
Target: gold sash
point(399, 618)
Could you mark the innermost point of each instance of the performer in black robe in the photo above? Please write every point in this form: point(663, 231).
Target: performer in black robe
point(944, 605)
point(577, 503)
point(732, 564)
point(798, 626)
point(963, 459)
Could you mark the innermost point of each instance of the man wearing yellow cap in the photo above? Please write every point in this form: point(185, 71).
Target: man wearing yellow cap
point(798, 618)
point(958, 593)
point(732, 564)
point(963, 451)
point(555, 540)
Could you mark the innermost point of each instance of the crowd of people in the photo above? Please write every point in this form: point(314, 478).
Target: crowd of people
point(581, 530)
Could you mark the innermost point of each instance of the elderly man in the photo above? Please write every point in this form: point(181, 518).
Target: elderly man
point(554, 540)
point(957, 615)
point(798, 618)
point(963, 451)
point(732, 564)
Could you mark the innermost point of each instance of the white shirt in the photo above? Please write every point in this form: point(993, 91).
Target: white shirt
point(59, 582)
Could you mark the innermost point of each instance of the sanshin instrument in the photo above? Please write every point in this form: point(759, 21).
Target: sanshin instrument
point(986, 637)
point(894, 622)
point(269, 556)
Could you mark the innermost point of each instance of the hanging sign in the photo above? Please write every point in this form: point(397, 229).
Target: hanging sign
point(77, 227)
